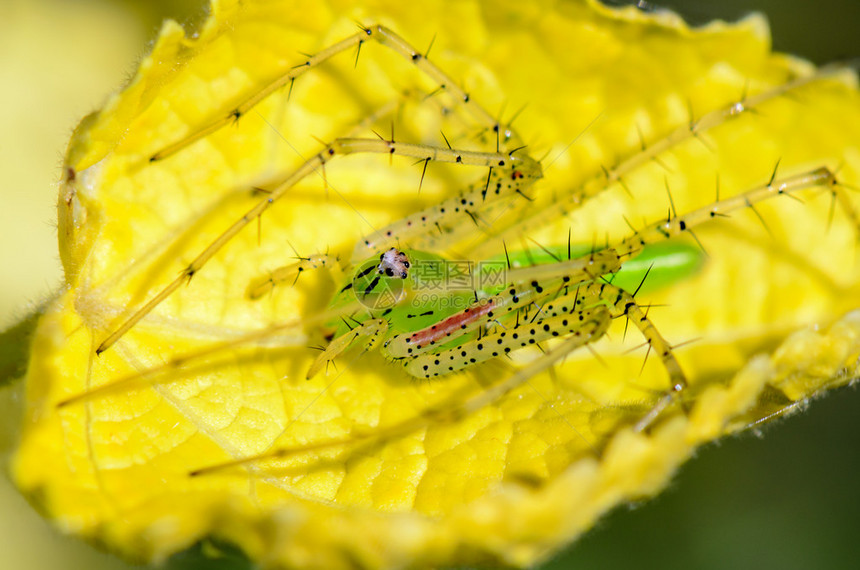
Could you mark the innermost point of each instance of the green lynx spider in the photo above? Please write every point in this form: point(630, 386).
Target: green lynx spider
point(573, 297)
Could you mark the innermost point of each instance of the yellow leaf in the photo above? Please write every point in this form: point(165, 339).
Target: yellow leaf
point(509, 481)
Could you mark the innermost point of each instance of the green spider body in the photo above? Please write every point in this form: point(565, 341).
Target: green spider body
point(399, 313)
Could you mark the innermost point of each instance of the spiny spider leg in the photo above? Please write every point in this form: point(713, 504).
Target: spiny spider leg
point(504, 180)
point(370, 331)
point(290, 273)
point(561, 204)
point(375, 32)
point(677, 225)
point(268, 336)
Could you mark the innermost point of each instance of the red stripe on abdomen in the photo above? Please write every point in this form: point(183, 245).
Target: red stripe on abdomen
point(446, 327)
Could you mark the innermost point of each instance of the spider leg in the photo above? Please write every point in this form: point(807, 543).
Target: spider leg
point(370, 331)
point(381, 34)
point(259, 287)
point(565, 201)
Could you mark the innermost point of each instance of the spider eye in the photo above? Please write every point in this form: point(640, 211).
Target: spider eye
point(389, 272)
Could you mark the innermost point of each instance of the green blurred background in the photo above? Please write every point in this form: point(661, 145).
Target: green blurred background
point(789, 500)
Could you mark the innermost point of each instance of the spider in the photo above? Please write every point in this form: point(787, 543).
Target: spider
point(551, 300)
